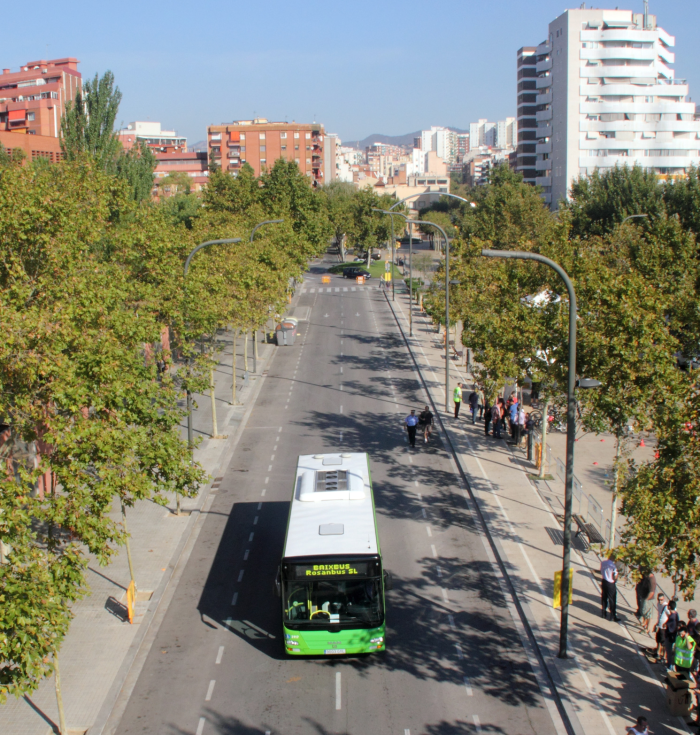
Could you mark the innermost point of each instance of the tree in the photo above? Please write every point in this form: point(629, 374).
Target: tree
point(662, 499)
point(136, 167)
point(339, 197)
point(87, 126)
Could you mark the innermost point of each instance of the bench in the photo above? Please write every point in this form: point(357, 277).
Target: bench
point(589, 529)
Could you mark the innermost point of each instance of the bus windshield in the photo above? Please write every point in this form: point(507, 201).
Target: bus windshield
point(334, 601)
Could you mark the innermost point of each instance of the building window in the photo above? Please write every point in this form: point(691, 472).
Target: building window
point(262, 149)
point(308, 161)
point(296, 160)
point(263, 160)
point(242, 136)
point(242, 149)
point(262, 136)
point(308, 136)
point(284, 147)
point(296, 135)
point(216, 136)
point(30, 116)
point(283, 135)
point(296, 147)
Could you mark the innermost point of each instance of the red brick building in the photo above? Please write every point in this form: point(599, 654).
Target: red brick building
point(32, 100)
point(260, 143)
point(192, 164)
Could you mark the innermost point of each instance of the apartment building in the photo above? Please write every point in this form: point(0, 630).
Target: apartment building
point(501, 134)
point(526, 154)
point(607, 95)
point(33, 99)
point(384, 159)
point(260, 143)
point(153, 135)
point(193, 164)
point(441, 140)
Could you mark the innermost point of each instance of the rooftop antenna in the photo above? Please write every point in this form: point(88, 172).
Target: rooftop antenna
point(646, 14)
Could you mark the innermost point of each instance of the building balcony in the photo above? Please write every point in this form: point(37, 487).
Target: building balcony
point(545, 98)
point(545, 165)
point(544, 65)
point(622, 34)
point(543, 82)
point(543, 48)
point(684, 162)
point(544, 115)
point(543, 181)
point(660, 88)
point(235, 153)
point(316, 163)
point(543, 147)
point(645, 54)
point(638, 108)
point(641, 126)
point(544, 131)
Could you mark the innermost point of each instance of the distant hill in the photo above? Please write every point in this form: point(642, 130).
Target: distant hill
point(200, 146)
point(406, 139)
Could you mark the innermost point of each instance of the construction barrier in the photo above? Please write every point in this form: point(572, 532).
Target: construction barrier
point(131, 600)
point(556, 602)
point(360, 280)
point(325, 279)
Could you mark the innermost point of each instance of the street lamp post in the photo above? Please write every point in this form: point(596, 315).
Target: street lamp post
point(406, 219)
point(190, 438)
point(570, 432)
point(632, 216)
point(255, 331)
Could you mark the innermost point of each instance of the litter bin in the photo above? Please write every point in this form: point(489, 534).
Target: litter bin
point(286, 332)
point(678, 693)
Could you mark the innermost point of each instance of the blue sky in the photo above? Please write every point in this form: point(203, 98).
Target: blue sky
point(359, 68)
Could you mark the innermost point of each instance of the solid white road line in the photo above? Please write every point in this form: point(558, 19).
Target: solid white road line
point(235, 598)
point(338, 690)
point(219, 655)
point(240, 574)
point(210, 691)
point(200, 726)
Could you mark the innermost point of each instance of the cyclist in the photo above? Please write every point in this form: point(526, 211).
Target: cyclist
point(425, 421)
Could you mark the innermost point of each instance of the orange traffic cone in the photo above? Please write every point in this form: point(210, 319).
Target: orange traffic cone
point(641, 443)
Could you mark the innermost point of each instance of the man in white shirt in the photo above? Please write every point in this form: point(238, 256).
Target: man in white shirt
point(608, 573)
point(640, 728)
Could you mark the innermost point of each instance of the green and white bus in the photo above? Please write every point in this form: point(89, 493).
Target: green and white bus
point(331, 578)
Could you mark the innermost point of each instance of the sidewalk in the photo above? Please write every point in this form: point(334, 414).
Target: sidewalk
point(99, 657)
point(606, 682)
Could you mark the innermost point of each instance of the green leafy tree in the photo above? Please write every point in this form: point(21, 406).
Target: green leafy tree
point(136, 167)
point(87, 126)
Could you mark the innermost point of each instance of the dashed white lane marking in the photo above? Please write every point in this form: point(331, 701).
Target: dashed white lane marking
point(338, 690)
point(272, 458)
point(460, 655)
point(255, 520)
point(468, 687)
point(259, 506)
point(210, 690)
point(200, 726)
point(264, 490)
point(341, 386)
point(444, 594)
point(434, 550)
point(235, 599)
point(341, 353)
point(430, 533)
point(240, 574)
point(341, 409)
point(415, 482)
point(341, 370)
point(245, 556)
point(477, 723)
point(341, 436)
point(250, 538)
point(267, 479)
point(406, 732)
point(452, 622)
point(280, 429)
point(425, 515)
point(439, 572)
point(410, 459)
point(219, 655)
point(269, 468)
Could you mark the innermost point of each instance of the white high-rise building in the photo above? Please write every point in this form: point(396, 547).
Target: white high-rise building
point(607, 95)
point(502, 134)
point(441, 140)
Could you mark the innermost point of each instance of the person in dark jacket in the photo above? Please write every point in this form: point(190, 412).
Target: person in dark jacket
point(487, 416)
point(473, 404)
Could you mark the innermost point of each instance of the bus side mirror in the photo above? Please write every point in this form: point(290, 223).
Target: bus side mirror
point(278, 590)
point(388, 581)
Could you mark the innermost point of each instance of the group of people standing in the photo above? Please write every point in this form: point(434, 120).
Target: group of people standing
point(503, 416)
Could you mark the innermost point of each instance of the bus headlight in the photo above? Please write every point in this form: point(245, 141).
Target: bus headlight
point(377, 640)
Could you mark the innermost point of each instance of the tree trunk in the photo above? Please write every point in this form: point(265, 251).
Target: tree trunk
point(233, 367)
point(545, 416)
point(616, 479)
point(59, 697)
point(245, 351)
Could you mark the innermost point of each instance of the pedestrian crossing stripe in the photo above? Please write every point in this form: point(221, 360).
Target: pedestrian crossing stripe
point(337, 289)
point(353, 289)
point(312, 290)
point(345, 289)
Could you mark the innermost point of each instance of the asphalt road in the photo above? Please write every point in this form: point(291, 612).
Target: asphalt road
point(454, 662)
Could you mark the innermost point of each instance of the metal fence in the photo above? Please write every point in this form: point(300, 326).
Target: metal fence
point(595, 513)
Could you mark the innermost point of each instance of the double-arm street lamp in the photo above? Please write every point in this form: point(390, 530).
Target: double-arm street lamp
point(570, 430)
point(392, 215)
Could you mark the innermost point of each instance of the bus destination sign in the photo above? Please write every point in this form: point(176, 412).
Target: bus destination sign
point(305, 571)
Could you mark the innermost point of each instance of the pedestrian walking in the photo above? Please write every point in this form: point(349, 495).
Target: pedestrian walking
point(692, 620)
point(487, 416)
point(496, 419)
point(457, 398)
point(641, 727)
point(473, 403)
point(608, 574)
point(513, 417)
point(480, 402)
point(645, 591)
point(411, 423)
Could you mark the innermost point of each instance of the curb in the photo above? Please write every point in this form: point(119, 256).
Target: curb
point(569, 719)
point(114, 705)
